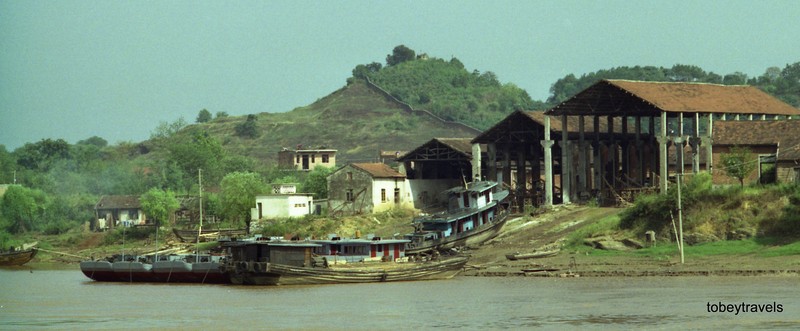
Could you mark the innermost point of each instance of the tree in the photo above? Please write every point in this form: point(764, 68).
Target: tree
point(738, 163)
point(399, 55)
point(239, 190)
point(221, 114)
point(202, 152)
point(94, 141)
point(317, 182)
point(166, 130)
point(249, 128)
point(203, 116)
point(41, 155)
point(21, 206)
point(159, 204)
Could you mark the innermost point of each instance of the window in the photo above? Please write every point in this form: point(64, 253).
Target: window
point(313, 158)
point(349, 175)
point(383, 195)
point(396, 195)
point(350, 196)
point(325, 158)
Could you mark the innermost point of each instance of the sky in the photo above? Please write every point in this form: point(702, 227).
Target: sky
point(117, 69)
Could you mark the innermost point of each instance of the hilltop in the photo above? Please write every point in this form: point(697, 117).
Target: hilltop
point(358, 120)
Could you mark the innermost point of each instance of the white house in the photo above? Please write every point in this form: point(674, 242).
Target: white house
point(284, 202)
point(367, 188)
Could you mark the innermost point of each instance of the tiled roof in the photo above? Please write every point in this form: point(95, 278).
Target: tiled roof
point(706, 98)
point(118, 202)
point(784, 133)
point(618, 97)
point(378, 170)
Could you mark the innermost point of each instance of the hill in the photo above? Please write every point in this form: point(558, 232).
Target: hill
point(359, 120)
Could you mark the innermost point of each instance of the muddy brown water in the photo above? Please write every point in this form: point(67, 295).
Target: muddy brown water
point(32, 298)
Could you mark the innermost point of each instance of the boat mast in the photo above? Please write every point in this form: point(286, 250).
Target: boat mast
point(199, 228)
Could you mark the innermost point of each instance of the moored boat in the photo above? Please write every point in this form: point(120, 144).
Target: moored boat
point(16, 257)
point(190, 235)
point(175, 268)
point(295, 263)
point(532, 255)
point(475, 214)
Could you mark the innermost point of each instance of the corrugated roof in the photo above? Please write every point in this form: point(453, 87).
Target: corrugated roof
point(378, 170)
point(784, 133)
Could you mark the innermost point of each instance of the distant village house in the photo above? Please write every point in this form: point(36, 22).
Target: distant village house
point(306, 159)
point(118, 210)
point(283, 202)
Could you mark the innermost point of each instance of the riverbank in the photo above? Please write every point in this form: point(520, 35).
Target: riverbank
point(551, 229)
point(522, 235)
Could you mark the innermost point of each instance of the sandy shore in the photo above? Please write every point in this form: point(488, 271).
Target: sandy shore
point(524, 235)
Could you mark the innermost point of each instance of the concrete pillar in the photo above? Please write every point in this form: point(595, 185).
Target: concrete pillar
point(476, 162)
point(694, 141)
point(708, 142)
point(522, 176)
point(536, 172)
point(679, 144)
point(639, 151)
point(662, 151)
point(491, 150)
point(583, 157)
point(612, 153)
point(566, 163)
point(624, 147)
point(506, 174)
point(654, 156)
point(598, 157)
point(547, 144)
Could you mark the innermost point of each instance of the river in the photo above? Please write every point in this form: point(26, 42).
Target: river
point(34, 298)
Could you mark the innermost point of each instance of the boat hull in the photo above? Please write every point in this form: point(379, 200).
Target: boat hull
point(188, 235)
point(17, 258)
point(159, 272)
point(279, 274)
point(536, 255)
point(475, 236)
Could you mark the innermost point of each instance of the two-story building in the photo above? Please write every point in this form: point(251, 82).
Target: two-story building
point(306, 159)
point(367, 188)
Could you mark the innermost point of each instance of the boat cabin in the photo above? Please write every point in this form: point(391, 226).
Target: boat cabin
point(468, 208)
point(338, 249)
point(279, 252)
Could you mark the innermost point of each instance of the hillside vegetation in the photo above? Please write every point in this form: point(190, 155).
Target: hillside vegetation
point(769, 214)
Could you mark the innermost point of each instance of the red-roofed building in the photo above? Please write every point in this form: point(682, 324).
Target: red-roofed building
point(367, 188)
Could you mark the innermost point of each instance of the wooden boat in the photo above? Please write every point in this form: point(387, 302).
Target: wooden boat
point(533, 255)
point(365, 272)
point(190, 235)
point(168, 269)
point(17, 257)
point(475, 214)
point(294, 263)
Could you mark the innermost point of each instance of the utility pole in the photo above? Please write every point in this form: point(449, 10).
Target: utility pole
point(199, 228)
point(680, 217)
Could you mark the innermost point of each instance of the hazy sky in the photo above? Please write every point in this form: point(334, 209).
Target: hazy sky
point(116, 69)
